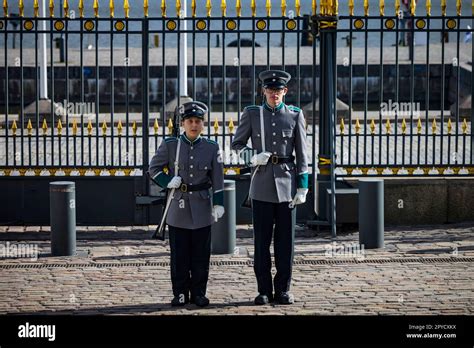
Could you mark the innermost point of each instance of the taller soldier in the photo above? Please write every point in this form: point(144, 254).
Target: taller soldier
point(279, 181)
point(191, 166)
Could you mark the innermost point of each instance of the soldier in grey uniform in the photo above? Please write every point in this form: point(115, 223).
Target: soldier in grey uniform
point(279, 181)
point(193, 207)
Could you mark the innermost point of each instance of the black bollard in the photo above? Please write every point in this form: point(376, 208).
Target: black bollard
point(223, 231)
point(371, 213)
point(62, 205)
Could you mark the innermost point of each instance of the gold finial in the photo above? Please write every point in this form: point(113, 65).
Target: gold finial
point(119, 128)
point(298, 8)
point(372, 127)
point(134, 128)
point(81, 8)
point(418, 126)
point(404, 126)
point(44, 126)
point(208, 7)
point(443, 7)
point(96, 8)
point(223, 8)
point(5, 8)
point(29, 126)
point(145, 8)
point(473, 7)
point(342, 127)
point(351, 7)
point(74, 127)
point(238, 7)
point(450, 126)
point(126, 8)
point(357, 126)
point(89, 128)
point(21, 7)
point(458, 7)
point(433, 126)
point(51, 8)
point(283, 8)
point(231, 126)
point(428, 7)
point(170, 126)
point(104, 128)
point(59, 127)
point(314, 7)
point(464, 127)
point(178, 8)
point(66, 9)
point(382, 7)
point(216, 126)
point(388, 126)
point(36, 8)
point(112, 8)
point(163, 8)
point(268, 6)
point(336, 7)
point(193, 8)
point(155, 126)
point(413, 7)
point(254, 8)
point(397, 7)
point(14, 127)
point(366, 7)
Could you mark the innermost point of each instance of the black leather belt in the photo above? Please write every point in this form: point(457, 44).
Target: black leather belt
point(199, 187)
point(277, 160)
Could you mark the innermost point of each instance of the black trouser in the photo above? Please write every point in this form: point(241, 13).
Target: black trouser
point(264, 215)
point(190, 255)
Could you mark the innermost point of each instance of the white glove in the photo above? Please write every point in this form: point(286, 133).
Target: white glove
point(260, 159)
point(175, 182)
point(217, 212)
point(299, 198)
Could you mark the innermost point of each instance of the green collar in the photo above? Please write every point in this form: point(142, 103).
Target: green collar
point(185, 139)
point(269, 108)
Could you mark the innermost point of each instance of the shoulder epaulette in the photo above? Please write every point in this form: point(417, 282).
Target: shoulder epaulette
point(294, 108)
point(171, 139)
point(211, 141)
point(252, 107)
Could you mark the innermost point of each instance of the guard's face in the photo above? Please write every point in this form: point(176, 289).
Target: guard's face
point(193, 126)
point(274, 96)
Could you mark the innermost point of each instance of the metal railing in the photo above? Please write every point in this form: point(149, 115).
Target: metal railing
point(116, 90)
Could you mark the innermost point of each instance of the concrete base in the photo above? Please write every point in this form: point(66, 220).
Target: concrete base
point(421, 201)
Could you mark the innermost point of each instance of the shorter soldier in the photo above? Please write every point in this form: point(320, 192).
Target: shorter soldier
point(192, 209)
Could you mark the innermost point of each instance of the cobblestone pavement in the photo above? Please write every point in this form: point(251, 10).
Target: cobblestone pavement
point(120, 270)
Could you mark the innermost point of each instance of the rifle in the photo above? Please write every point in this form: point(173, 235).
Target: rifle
point(160, 229)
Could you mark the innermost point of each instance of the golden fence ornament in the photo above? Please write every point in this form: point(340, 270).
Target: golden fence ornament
point(81, 8)
point(268, 6)
point(96, 8)
point(170, 126)
point(238, 8)
point(112, 8)
point(66, 9)
point(36, 8)
point(208, 8)
point(126, 8)
point(163, 8)
point(145, 8)
point(428, 8)
point(351, 7)
point(119, 128)
point(254, 8)
point(156, 127)
point(51, 8)
point(5, 8)
point(223, 8)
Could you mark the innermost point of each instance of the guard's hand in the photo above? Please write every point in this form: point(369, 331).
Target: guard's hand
point(175, 182)
point(300, 197)
point(217, 212)
point(260, 159)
